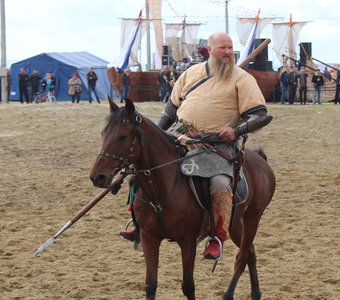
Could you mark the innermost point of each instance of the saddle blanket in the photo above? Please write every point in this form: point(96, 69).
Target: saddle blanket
point(207, 162)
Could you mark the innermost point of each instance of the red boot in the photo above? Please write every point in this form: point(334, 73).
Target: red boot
point(129, 234)
point(213, 250)
point(215, 246)
point(222, 207)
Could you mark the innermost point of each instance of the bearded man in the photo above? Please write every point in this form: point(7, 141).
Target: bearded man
point(216, 97)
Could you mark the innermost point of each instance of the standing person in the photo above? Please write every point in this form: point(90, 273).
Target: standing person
point(284, 84)
point(173, 76)
point(53, 82)
point(163, 83)
point(126, 83)
point(8, 83)
point(75, 89)
point(293, 81)
point(23, 85)
point(229, 103)
point(34, 80)
point(91, 84)
point(302, 76)
point(318, 82)
point(337, 88)
point(48, 83)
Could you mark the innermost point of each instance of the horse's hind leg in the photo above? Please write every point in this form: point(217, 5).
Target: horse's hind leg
point(246, 255)
point(150, 246)
point(254, 281)
point(235, 234)
point(188, 249)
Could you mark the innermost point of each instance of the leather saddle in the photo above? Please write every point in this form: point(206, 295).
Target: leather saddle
point(200, 188)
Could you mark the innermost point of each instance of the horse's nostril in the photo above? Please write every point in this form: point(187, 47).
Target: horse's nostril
point(99, 180)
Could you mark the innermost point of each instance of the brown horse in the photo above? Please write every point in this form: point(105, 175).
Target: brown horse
point(165, 206)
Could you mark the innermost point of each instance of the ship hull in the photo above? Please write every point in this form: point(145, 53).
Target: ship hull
point(144, 86)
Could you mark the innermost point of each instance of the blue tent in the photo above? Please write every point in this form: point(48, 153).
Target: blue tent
point(62, 65)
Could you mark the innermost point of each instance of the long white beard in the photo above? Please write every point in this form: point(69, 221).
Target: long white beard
point(220, 70)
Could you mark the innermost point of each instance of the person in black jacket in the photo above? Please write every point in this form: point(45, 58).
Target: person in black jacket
point(23, 85)
point(283, 84)
point(302, 75)
point(318, 82)
point(337, 87)
point(126, 83)
point(293, 80)
point(163, 83)
point(173, 76)
point(91, 84)
point(9, 83)
point(34, 80)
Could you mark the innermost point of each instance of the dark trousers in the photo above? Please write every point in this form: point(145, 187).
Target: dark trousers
point(337, 93)
point(34, 92)
point(92, 89)
point(76, 96)
point(283, 93)
point(8, 92)
point(23, 91)
point(292, 94)
point(303, 94)
point(163, 92)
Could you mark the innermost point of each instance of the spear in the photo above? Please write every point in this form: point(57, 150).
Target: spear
point(114, 187)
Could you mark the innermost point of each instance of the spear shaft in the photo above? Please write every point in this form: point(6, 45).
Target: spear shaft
point(114, 187)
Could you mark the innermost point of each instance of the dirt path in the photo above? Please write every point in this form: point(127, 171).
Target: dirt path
point(46, 154)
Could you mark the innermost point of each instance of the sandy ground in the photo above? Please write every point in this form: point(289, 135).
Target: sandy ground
point(47, 151)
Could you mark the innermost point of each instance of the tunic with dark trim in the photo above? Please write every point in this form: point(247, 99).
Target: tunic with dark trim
point(215, 103)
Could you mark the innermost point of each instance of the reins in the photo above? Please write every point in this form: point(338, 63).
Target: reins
point(125, 159)
point(130, 170)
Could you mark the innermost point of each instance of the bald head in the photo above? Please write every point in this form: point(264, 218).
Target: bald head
point(218, 37)
point(220, 45)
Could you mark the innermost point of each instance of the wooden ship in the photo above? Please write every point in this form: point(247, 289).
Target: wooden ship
point(254, 60)
point(144, 85)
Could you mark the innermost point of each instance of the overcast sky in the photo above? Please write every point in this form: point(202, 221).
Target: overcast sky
point(38, 26)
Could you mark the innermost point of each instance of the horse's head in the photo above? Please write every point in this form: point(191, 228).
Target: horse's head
point(121, 144)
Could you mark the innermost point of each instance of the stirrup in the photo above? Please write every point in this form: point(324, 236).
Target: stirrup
point(217, 259)
point(128, 224)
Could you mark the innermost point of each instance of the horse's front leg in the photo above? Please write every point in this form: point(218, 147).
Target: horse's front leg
point(188, 249)
point(150, 245)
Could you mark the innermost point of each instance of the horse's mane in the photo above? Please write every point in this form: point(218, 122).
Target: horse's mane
point(113, 118)
point(120, 114)
point(172, 139)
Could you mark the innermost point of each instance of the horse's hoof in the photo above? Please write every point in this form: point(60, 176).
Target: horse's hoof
point(227, 297)
point(256, 295)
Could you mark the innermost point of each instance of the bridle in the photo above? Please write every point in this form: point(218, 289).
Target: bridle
point(126, 167)
point(125, 163)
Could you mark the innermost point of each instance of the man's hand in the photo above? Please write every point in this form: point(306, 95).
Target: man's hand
point(228, 134)
point(183, 139)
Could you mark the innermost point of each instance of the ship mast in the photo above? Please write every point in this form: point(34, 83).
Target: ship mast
point(148, 39)
point(226, 17)
point(3, 53)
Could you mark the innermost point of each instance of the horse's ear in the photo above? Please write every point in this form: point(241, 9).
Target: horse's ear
point(129, 106)
point(113, 106)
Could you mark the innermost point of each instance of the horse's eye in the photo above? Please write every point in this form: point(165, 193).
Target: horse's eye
point(121, 138)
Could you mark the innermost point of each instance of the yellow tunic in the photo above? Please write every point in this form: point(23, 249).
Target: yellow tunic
point(215, 104)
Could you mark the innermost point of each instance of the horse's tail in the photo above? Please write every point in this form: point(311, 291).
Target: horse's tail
point(260, 151)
